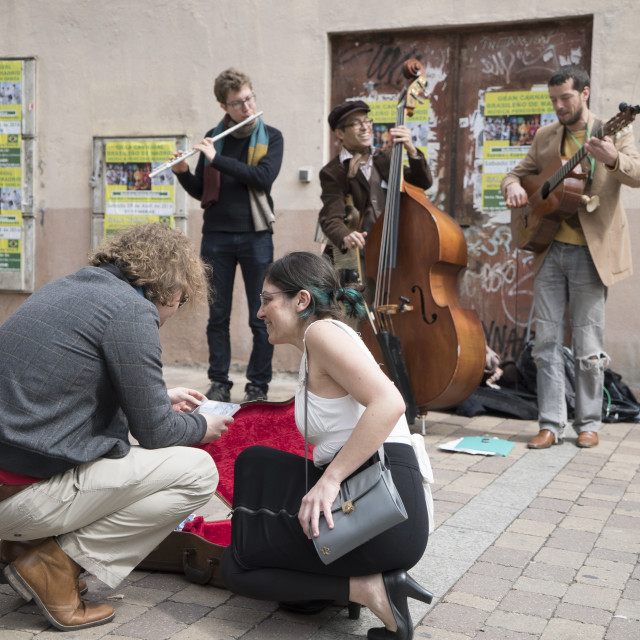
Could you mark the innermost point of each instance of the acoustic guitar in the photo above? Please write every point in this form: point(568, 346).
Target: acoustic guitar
point(558, 191)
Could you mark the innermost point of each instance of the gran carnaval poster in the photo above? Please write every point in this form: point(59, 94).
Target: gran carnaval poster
point(131, 197)
point(511, 119)
point(10, 165)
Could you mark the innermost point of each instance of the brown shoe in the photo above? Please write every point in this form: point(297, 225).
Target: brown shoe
point(587, 439)
point(49, 576)
point(544, 440)
point(11, 549)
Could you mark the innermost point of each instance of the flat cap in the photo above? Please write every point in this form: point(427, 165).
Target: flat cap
point(339, 113)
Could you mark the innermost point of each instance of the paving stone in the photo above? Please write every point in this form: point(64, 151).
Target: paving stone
point(496, 570)
point(241, 614)
point(604, 577)
point(152, 625)
point(559, 629)
point(468, 600)
point(455, 617)
point(18, 621)
point(499, 633)
point(519, 541)
point(619, 540)
point(579, 613)
point(145, 597)
point(615, 556)
point(561, 557)
point(202, 594)
point(94, 633)
point(545, 587)
point(592, 596)
point(582, 524)
point(471, 482)
point(623, 630)
point(458, 497)
point(628, 608)
point(561, 491)
point(516, 622)
point(595, 512)
point(212, 629)
point(542, 515)
point(483, 586)
point(506, 556)
point(551, 572)
point(18, 635)
point(529, 603)
point(572, 540)
point(531, 527)
point(553, 504)
point(632, 590)
point(433, 633)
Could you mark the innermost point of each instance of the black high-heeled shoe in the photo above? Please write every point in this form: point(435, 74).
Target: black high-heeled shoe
point(400, 586)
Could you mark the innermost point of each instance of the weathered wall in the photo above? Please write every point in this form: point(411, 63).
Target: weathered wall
point(135, 68)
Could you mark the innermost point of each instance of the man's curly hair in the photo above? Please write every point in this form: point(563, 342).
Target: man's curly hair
point(160, 260)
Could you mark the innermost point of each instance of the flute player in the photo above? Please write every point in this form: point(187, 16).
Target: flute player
point(232, 180)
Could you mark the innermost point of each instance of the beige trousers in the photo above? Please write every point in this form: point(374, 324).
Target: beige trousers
point(110, 513)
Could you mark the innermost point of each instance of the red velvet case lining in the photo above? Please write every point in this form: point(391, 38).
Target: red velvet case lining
point(261, 423)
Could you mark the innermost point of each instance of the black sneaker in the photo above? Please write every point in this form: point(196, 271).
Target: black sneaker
point(218, 391)
point(254, 392)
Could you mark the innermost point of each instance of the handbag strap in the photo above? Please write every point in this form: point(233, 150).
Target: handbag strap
point(380, 452)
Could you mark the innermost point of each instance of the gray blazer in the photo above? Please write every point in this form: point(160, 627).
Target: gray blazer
point(80, 369)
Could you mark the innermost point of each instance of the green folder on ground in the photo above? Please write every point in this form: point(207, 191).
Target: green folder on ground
point(479, 446)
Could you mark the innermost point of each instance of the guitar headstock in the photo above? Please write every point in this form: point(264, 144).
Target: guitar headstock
point(621, 120)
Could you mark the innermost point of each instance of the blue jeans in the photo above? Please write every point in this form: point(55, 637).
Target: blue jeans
point(568, 277)
point(253, 252)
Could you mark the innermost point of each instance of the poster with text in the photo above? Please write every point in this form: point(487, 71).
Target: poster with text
point(10, 165)
point(511, 119)
point(131, 197)
point(384, 112)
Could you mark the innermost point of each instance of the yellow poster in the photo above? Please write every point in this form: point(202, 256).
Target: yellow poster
point(384, 116)
point(10, 165)
point(511, 119)
point(131, 196)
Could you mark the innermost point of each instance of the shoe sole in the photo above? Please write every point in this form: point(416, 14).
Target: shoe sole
point(28, 594)
point(3, 579)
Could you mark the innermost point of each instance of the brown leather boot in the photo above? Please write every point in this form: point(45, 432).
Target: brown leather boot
point(11, 549)
point(49, 576)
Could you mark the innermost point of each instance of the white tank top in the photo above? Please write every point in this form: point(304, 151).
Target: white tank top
point(330, 421)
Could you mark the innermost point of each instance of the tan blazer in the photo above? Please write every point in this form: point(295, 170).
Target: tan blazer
point(606, 229)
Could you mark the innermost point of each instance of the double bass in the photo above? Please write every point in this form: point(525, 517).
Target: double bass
point(414, 254)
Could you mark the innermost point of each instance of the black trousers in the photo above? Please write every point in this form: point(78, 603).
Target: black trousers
point(270, 558)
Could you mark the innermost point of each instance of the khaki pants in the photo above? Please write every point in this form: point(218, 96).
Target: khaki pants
point(110, 513)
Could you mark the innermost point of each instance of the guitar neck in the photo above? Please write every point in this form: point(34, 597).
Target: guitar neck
point(566, 168)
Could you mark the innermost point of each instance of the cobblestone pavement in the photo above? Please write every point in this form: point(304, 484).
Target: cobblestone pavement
point(537, 544)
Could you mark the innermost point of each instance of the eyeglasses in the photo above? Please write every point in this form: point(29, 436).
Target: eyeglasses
point(265, 296)
point(238, 104)
point(360, 124)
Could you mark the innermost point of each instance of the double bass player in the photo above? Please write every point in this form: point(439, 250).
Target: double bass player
point(362, 171)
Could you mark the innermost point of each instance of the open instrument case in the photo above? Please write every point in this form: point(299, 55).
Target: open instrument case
point(196, 550)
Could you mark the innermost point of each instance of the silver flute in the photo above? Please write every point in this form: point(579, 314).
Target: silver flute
point(167, 165)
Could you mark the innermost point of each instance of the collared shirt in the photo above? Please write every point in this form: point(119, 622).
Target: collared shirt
point(366, 167)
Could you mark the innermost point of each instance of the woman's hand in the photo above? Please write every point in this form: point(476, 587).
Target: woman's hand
point(185, 400)
point(318, 500)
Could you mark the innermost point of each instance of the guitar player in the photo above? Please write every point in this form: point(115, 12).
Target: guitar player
point(589, 252)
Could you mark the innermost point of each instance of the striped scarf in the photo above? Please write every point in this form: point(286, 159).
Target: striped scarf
point(261, 212)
